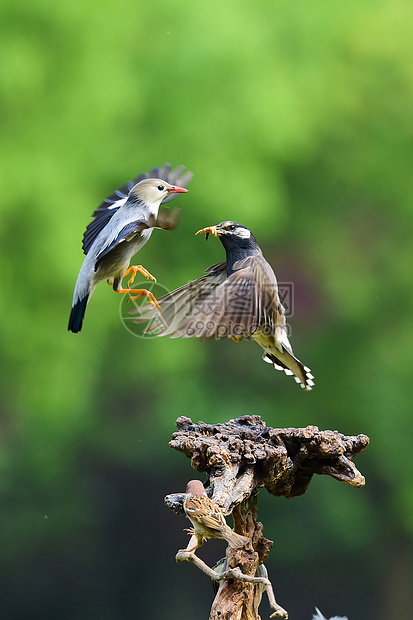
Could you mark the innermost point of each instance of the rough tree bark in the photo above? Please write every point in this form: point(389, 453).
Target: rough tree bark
point(241, 456)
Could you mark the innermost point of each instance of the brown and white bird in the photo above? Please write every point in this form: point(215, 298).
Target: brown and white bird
point(121, 226)
point(207, 518)
point(236, 299)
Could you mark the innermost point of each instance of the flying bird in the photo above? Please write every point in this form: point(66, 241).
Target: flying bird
point(236, 299)
point(207, 518)
point(122, 224)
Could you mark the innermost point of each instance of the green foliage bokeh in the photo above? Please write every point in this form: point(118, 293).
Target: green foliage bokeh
point(296, 121)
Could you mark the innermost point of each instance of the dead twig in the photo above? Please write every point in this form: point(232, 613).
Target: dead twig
point(235, 573)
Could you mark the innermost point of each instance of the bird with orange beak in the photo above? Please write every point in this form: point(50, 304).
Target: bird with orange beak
point(122, 225)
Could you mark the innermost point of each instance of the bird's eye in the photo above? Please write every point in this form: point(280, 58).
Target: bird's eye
point(231, 227)
point(161, 188)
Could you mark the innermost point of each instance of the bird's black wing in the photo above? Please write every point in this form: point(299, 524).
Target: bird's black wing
point(126, 234)
point(104, 212)
point(96, 226)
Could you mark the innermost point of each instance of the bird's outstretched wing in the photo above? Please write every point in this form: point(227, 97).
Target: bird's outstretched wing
point(104, 212)
point(215, 306)
point(178, 305)
point(201, 509)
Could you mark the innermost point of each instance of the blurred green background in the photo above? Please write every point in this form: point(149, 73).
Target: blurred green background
point(296, 119)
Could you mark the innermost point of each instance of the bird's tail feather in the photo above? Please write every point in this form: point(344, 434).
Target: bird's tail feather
point(286, 361)
point(236, 541)
point(77, 314)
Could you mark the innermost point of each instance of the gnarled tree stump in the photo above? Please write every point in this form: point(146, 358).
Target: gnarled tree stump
point(241, 456)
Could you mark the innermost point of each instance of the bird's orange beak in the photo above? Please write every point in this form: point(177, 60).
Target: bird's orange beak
point(175, 189)
point(209, 230)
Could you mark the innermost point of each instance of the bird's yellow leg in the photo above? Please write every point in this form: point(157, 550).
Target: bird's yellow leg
point(138, 292)
point(210, 230)
point(134, 270)
point(235, 339)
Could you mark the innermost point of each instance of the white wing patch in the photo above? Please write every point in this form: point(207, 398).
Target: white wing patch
point(118, 203)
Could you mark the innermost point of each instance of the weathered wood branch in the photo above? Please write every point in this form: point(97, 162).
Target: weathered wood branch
point(235, 573)
point(239, 457)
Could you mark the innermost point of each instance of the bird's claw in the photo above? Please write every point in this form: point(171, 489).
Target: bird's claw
point(190, 531)
point(134, 269)
point(151, 297)
point(153, 301)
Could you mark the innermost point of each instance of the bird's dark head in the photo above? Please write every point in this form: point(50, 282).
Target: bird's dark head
point(233, 230)
point(232, 235)
point(153, 191)
point(237, 239)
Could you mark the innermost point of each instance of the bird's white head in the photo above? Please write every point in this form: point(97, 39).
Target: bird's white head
point(153, 191)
